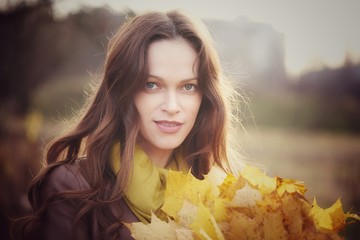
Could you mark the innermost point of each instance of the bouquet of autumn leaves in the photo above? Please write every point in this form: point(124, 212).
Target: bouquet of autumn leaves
point(250, 206)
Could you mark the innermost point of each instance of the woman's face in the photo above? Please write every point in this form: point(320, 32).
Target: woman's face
point(170, 100)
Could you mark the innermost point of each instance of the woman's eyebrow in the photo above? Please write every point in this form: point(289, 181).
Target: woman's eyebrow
point(183, 80)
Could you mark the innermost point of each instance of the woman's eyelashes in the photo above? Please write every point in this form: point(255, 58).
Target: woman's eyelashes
point(188, 87)
point(149, 86)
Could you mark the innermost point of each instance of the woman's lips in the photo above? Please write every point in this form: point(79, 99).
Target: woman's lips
point(168, 126)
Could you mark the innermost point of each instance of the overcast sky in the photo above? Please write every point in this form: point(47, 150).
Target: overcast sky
point(317, 32)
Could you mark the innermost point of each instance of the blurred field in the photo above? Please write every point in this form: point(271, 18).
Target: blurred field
point(328, 163)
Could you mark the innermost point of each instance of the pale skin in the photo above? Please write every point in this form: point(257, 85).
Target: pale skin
point(170, 100)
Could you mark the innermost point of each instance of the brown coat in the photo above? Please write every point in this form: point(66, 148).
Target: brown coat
point(59, 216)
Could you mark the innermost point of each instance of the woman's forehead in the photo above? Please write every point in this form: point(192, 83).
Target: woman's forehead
point(172, 59)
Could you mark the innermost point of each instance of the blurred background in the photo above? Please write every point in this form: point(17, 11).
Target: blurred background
point(297, 65)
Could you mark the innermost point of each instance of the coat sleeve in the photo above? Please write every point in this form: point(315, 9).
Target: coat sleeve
point(58, 221)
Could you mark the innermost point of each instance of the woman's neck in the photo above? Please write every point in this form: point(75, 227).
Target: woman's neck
point(160, 157)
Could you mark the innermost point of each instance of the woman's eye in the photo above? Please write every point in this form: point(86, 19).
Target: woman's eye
point(190, 87)
point(151, 85)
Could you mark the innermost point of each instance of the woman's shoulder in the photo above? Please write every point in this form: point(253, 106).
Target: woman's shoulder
point(65, 177)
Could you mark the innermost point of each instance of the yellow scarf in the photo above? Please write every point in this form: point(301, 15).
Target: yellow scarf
point(145, 193)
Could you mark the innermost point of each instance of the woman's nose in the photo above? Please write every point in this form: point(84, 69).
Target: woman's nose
point(171, 103)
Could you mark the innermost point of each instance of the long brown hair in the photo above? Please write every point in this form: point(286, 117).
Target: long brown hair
point(111, 116)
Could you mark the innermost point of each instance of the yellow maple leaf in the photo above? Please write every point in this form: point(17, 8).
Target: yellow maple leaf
point(292, 214)
point(205, 226)
point(219, 209)
point(269, 201)
point(240, 226)
point(181, 187)
point(216, 177)
point(274, 227)
point(332, 218)
point(259, 179)
point(228, 188)
point(337, 215)
point(187, 213)
point(246, 197)
point(158, 230)
point(289, 185)
point(182, 233)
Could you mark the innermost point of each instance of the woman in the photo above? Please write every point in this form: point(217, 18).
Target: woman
point(159, 106)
